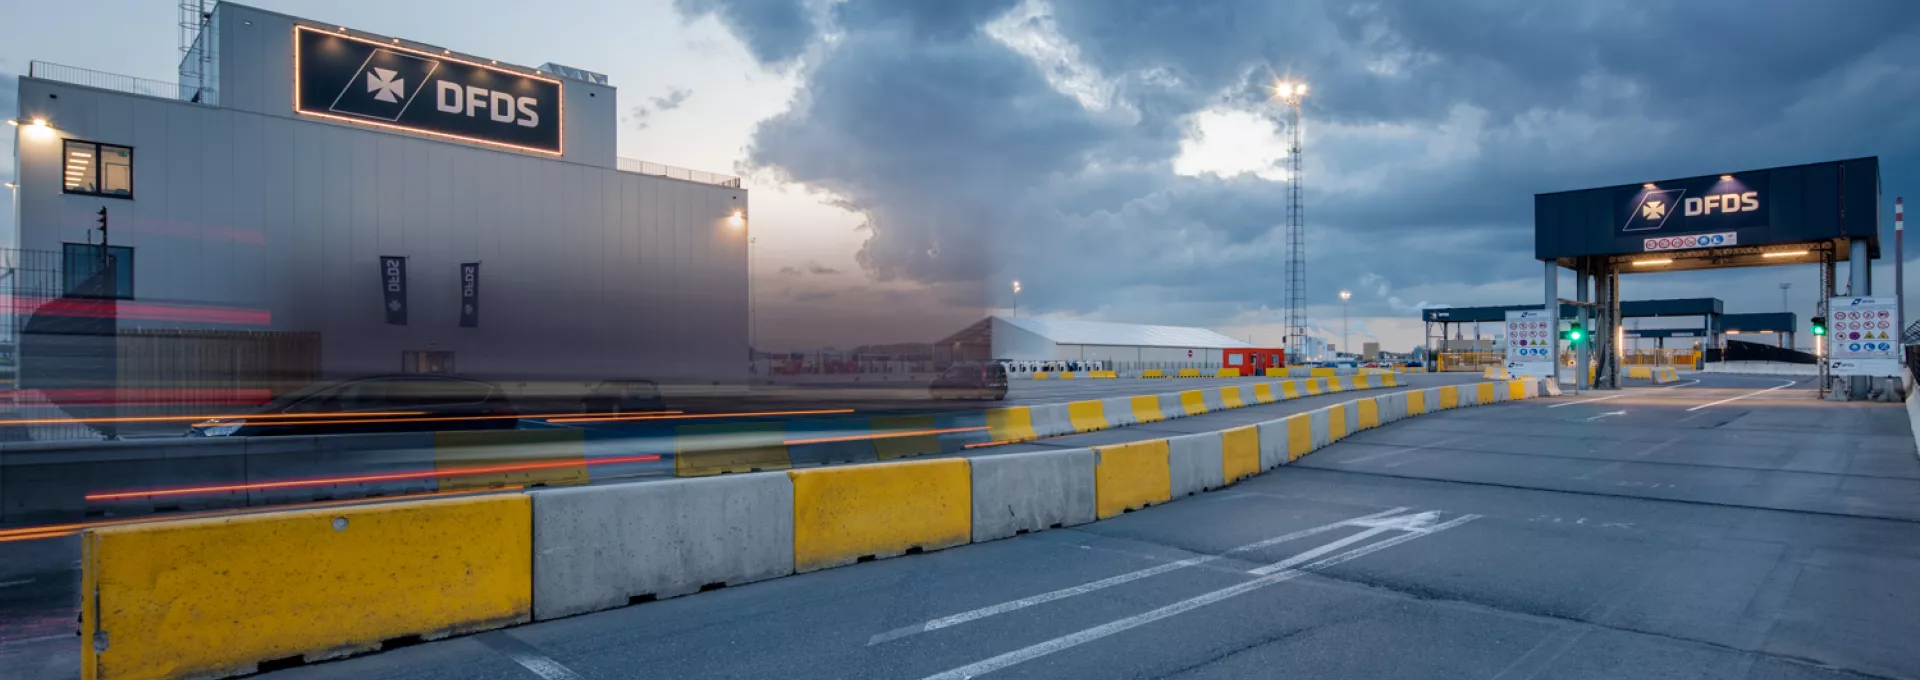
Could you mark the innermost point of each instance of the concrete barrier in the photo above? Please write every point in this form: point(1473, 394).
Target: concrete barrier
point(844, 514)
point(1416, 402)
point(1131, 476)
point(1291, 389)
point(49, 481)
point(889, 446)
point(1214, 398)
point(1011, 424)
point(1191, 403)
point(1449, 396)
point(602, 547)
point(1021, 492)
point(1275, 436)
point(1240, 454)
point(700, 450)
point(1227, 373)
point(1189, 373)
point(1118, 411)
point(1194, 461)
point(1153, 373)
point(1640, 372)
point(1322, 435)
point(217, 597)
point(1483, 394)
point(1366, 414)
point(1051, 420)
point(1264, 393)
point(1233, 396)
point(1146, 408)
point(1087, 416)
point(1338, 425)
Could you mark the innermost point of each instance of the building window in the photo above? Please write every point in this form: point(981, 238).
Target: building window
point(81, 261)
point(99, 169)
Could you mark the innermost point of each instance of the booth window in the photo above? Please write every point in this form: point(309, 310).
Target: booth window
point(81, 261)
point(99, 169)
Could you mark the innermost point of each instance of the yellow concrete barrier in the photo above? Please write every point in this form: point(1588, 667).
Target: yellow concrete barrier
point(1416, 402)
point(701, 450)
point(1516, 390)
point(1313, 385)
point(1239, 453)
point(1066, 375)
point(1320, 372)
point(1011, 424)
point(891, 448)
point(1485, 393)
point(1153, 373)
point(1369, 414)
point(1230, 397)
point(1189, 373)
point(1276, 373)
point(1263, 393)
point(1040, 375)
point(1146, 409)
point(1130, 477)
point(1337, 422)
point(1643, 372)
point(1364, 382)
point(215, 597)
point(561, 455)
point(844, 513)
point(1299, 436)
point(1227, 373)
point(1193, 402)
point(1449, 397)
point(1290, 389)
point(1494, 373)
point(1087, 416)
point(1391, 380)
point(1337, 384)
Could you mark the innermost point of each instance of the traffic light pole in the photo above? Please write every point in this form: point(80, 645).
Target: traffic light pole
point(1584, 280)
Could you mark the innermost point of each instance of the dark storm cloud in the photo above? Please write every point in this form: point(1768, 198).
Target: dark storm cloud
point(1429, 127)
point(773, 30)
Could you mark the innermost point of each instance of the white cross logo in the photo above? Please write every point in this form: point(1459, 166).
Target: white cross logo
point(394, 305)
point(384, 86)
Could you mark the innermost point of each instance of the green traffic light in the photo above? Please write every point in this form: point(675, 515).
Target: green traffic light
point(1819, 330)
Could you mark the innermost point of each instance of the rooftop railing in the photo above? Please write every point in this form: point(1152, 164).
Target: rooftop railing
point(75, 75)
point(635, 165)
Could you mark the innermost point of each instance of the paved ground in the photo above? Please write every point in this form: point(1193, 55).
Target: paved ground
point(1710, 529)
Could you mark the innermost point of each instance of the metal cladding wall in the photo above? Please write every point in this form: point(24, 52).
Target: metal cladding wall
point(1795, 204)
point(589, 273)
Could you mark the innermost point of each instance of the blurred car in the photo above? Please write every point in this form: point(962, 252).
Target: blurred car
point(624, 396)
point(971, 381)
point(419, 402)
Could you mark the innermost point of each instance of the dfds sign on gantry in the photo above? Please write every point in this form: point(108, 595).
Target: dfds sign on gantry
point(346, 78)
point(1691, 207)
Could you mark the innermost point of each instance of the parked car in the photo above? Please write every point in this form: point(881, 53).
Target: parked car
point(987, 380)
point(431, 403)
point(624, 396)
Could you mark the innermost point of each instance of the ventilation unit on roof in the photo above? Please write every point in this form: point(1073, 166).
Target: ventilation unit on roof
point(574, 73)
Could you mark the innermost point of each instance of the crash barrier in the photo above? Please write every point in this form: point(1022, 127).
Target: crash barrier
point(219, 597)
point(1665, 374)
point(1227, 373)
point(1153, 373)
point(72, 480)
point(1189, 373)
point(1640, 372)
point(1494, 373)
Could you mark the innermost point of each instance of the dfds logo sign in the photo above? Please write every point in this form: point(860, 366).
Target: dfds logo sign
point(1694, 206)
point(347, 78)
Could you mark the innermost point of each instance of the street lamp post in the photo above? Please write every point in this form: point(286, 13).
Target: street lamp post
point(1016, 298)
point(1781, 337)
point(1345, 295)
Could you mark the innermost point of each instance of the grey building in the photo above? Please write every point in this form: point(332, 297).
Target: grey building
point(262, 195)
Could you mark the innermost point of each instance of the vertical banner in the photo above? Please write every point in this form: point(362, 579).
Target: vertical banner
point(393, 282)
point(469, 295)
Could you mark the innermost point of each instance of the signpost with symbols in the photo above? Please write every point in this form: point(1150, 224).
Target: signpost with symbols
point(1530, 340)
point(1864, 336)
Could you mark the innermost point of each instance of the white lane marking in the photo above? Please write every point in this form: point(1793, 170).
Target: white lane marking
point(528, 656)
point(9, 584)
point(1111, 581)
point(1609, 413)
point(1395, 452)
point(1789, 383)
point(1586, 401)
point(1089, 635)
point(1315, 553)
point(1684, 384)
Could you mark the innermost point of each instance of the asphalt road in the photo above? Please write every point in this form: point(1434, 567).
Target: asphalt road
point(1719, 529)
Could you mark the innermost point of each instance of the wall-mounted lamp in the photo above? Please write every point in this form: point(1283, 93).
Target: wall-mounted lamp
point(737, 220)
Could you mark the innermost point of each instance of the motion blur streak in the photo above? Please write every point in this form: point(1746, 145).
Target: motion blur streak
point(608, 419)
point(882, 435)
point(95, 309)
point(162, 419)
point(58, 530)
point(133, 397)
point(462, 472)
point(983, 445)
point(327, 418)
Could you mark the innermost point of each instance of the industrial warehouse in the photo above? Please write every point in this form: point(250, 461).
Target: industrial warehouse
point(314, 201)
point(1026, 338)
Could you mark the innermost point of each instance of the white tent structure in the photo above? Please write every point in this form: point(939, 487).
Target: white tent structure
point(1028, 338)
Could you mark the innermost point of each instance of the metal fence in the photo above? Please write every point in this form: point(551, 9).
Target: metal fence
point(75, 75)
point(638, 166)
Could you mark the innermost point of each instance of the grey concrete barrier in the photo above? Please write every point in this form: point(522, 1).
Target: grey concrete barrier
point(49, 481)
point(1021, 492)
point(1432, 397)
point(1195, 464)
point(1352, 413)
point(1119, 411)
point(1273, 443)
point(1051, 420)
point(1214, 399)
point(832, 442)
point(1393, 407)
point(1317, 421)
point(601, 547)
point(272, 459)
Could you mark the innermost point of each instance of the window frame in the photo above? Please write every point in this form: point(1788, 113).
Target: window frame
point(99, 176)
point(130, 251)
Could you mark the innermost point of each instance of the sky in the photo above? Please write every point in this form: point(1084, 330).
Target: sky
point(1123, 158)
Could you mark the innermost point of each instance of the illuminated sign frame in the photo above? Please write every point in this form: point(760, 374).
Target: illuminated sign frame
point(560, 109)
